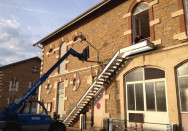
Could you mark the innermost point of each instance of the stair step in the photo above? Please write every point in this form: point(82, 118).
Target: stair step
point(89, 97)
point(118, 61)
point(90, 94)
point(120, 58)
point(113, 67)
point(98, 85)
point(96, 89)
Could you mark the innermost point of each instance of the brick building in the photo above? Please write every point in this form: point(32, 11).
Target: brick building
point(16, 79)
point(149, 87)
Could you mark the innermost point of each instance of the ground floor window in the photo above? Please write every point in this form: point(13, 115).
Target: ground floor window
point(145, 90)
point(182, 76)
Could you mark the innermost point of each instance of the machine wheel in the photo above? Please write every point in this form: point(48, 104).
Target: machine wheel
point(57, 126)
point(12, 127)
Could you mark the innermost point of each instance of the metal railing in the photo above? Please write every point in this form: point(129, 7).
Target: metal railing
point(130, 125)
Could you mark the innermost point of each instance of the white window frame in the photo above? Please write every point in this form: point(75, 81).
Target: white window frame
point(144, 94)
point(62, 92)
point(10, 85)
point(133, 21)
point(181, 76)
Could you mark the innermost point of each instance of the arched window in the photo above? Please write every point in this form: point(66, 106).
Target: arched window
point(145, 90)
point(140, 19)
point(63, 50)
point(182, 76)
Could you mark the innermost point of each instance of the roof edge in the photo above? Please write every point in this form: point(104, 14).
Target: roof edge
point(86, 13)
point(36, 57)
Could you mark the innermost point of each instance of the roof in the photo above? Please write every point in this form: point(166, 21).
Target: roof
point(21, 62)
point(80, 17)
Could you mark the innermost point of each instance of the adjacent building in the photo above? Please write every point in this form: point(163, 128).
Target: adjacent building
point(16, 79)
point(135, 91)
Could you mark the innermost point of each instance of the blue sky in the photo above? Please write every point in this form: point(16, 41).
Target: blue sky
point(24, 22)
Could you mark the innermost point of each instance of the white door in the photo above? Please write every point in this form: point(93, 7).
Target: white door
point(146, 100)
point(60, 99)
point(98, 112)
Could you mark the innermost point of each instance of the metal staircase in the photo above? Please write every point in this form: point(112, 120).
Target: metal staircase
point(113, 65)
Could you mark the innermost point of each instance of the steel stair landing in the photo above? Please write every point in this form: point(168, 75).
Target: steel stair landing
point(113, 65)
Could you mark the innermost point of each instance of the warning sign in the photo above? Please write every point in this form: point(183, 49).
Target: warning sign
point(98, 105)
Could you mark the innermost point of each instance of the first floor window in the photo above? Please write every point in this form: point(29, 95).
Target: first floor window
point(140, 22)
point(13, 86)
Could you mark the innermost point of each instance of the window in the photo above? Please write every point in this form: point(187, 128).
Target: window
point(182, 76)
point(13, 86)
point(145, 89)
point(186, 12)
point(31, 83)
point(140, 20)
point(63, 64)
point(11, 100)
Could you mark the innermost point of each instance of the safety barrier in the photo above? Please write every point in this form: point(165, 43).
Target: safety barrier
point(130, 125)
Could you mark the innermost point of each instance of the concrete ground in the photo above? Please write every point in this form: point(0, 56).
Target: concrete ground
point(77, 129)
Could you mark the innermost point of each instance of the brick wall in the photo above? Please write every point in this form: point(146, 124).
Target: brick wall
point(108, 29)
point(23, 74)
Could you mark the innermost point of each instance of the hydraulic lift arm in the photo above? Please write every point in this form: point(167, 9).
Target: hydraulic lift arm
point(11, 110)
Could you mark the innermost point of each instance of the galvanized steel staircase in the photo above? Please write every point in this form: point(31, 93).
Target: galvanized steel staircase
point(113, 65)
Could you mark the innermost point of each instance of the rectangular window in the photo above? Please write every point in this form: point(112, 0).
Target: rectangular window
point(13, 85)
point(139, 97)
point(183, 84)
point(150, 96)
point(160, 96)
point(155, 96)
point(131, 100)
point(186, 12)
point(135, 97)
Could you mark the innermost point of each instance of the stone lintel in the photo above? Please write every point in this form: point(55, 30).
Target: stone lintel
point(128, 32)
point(177, 13)
point(126, 15)
point(157, 42)
point(153, 3)
point(154, 22)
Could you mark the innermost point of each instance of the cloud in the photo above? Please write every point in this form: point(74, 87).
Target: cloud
point(9, 23)
point(15, 44)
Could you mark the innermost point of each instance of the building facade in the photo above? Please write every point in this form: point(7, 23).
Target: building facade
point(16, 79)
point(149, 87)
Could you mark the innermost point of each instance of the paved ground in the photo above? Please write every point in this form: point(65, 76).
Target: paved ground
point(76, 129)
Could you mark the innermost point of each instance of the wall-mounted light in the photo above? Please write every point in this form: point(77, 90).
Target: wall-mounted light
point(84, 39)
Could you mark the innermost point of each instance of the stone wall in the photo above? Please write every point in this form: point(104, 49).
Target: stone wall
point(109, 29)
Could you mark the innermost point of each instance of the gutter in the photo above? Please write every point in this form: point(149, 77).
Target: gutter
point(102, 3)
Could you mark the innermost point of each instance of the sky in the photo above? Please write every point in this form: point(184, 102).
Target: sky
point(24, 22)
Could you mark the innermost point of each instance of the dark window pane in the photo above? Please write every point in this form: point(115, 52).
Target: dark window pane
point(136, 75)
point(139, 97)
point(160, 96)
point(150, 98)
point(183, 70)
point(153, 73)
point(130, 96)
point(183, 83)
